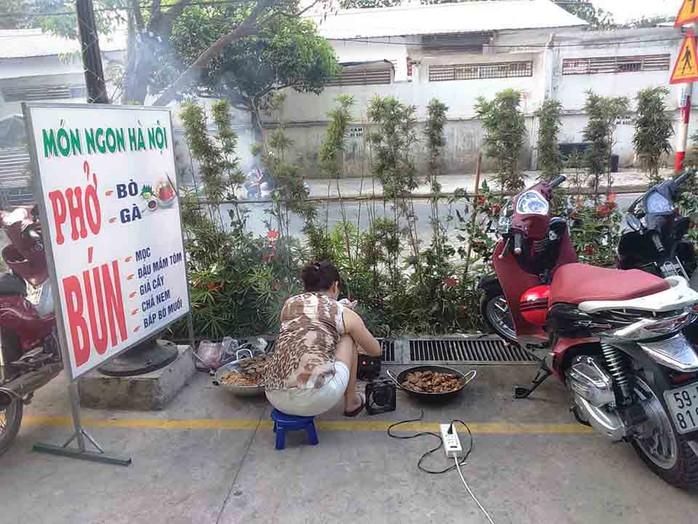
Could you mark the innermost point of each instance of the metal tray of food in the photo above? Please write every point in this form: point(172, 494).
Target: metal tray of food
point(242, 376)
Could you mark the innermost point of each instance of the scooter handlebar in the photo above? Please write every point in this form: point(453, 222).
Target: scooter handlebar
point(688, 174)
point(559, 180)
point(518, 238)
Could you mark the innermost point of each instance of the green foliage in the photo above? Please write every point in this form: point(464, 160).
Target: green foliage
point(653, 128)
point(286, 52)
point(290, 195)
point(549, 124)
point(238, 282)
point(392, 141)
point(505, 126)
point(436, 140)
point(14, 14)
point(43, 15)
point(646, 21)
point(584, 9)
point(331, 163)
point(360, 4)
point(595, 229)
point(602, 112)
point(217, 159)
point(688, 206)
point(330, 156)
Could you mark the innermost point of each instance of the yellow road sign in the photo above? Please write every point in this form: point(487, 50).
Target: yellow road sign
point(686, 67)
point(688, 13)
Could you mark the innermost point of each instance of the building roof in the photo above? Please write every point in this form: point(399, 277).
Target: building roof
point(465, 17)
point(25, 43)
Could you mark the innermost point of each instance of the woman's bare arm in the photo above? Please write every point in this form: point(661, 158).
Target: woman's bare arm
point(362, 336)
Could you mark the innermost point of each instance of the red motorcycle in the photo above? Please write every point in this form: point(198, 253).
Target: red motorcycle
point(614, 336)
point(30, 354)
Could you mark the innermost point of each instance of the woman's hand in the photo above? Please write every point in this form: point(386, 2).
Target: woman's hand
point(348, 303)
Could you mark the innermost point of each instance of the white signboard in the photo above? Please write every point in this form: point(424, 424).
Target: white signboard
point(112, 225)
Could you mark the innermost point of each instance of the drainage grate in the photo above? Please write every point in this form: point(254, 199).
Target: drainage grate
point(388, 354)
point(473, 350)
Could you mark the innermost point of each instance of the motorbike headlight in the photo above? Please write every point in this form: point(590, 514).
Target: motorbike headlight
point(652, 328)
point(676, 353)
point(532, 203)
point(658, 204)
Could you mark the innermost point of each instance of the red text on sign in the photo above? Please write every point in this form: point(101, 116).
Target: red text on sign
point(80, 205)
point(95, 310)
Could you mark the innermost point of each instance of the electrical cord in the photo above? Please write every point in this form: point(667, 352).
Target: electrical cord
point(433, 450)
point(472, 495)
point(456, 463)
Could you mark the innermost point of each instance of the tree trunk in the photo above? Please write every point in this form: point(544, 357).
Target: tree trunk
point(135, 74)
point(246, 28)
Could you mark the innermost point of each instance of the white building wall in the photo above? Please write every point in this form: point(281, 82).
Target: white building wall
point(305, 114)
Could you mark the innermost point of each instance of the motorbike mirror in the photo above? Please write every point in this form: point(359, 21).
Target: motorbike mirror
point(633, 222)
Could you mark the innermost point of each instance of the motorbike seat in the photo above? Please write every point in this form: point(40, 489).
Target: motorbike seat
point(12, 285)
point(577, 283)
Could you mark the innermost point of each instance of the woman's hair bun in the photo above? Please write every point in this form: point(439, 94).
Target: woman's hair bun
point(319, 276)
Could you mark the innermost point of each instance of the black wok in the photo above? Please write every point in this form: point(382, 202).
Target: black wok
point(433, 397)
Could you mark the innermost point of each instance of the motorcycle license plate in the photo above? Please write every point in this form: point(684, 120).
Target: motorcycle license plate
point(683, 406)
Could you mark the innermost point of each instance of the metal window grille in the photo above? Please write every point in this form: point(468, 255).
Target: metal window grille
point(615, 64)
point(19, 94)
point(15, 179)
point(361, 77)
point(445, 73)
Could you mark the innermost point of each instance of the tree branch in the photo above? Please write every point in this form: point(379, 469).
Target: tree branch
point(247, 27)
point(155, 9)
point(163, 25)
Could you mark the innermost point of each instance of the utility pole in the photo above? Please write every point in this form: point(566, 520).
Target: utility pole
point(91, 56)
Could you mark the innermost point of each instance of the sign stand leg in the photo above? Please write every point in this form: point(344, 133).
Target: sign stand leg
point(81, 436)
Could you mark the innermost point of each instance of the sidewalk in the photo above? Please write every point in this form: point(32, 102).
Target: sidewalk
point(209, 458)
point(626, 181)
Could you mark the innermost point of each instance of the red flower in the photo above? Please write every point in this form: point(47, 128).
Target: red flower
point(272, 234)
point(611, 197)
point(496, 209)
point(480, 201)
point(589, 250)
point(450, 281)
point(604, 211)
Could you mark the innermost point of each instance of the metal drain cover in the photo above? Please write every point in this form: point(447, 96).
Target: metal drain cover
point(476, 350)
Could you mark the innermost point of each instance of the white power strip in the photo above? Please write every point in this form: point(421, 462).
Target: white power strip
point(451, 441)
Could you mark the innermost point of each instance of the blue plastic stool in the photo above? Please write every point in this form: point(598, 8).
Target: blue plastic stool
point(284, 422)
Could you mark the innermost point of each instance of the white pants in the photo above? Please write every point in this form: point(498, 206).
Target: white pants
point(311, 402)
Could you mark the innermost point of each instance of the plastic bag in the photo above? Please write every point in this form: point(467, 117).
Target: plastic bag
point(212, 355)
point(209, 355)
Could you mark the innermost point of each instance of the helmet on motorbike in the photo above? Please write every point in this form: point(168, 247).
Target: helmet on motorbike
point(533, 305)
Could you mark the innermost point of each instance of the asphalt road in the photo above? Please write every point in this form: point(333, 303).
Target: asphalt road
point(358, 212)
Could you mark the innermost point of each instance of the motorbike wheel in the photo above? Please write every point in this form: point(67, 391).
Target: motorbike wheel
point(495, 312)
point(10, 420)
point(668, 454)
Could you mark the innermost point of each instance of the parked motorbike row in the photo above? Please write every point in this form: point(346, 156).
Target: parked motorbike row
point(617, 337)
point(623, 340)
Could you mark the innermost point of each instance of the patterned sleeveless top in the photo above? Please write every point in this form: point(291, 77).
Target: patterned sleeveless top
point(303, 355)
